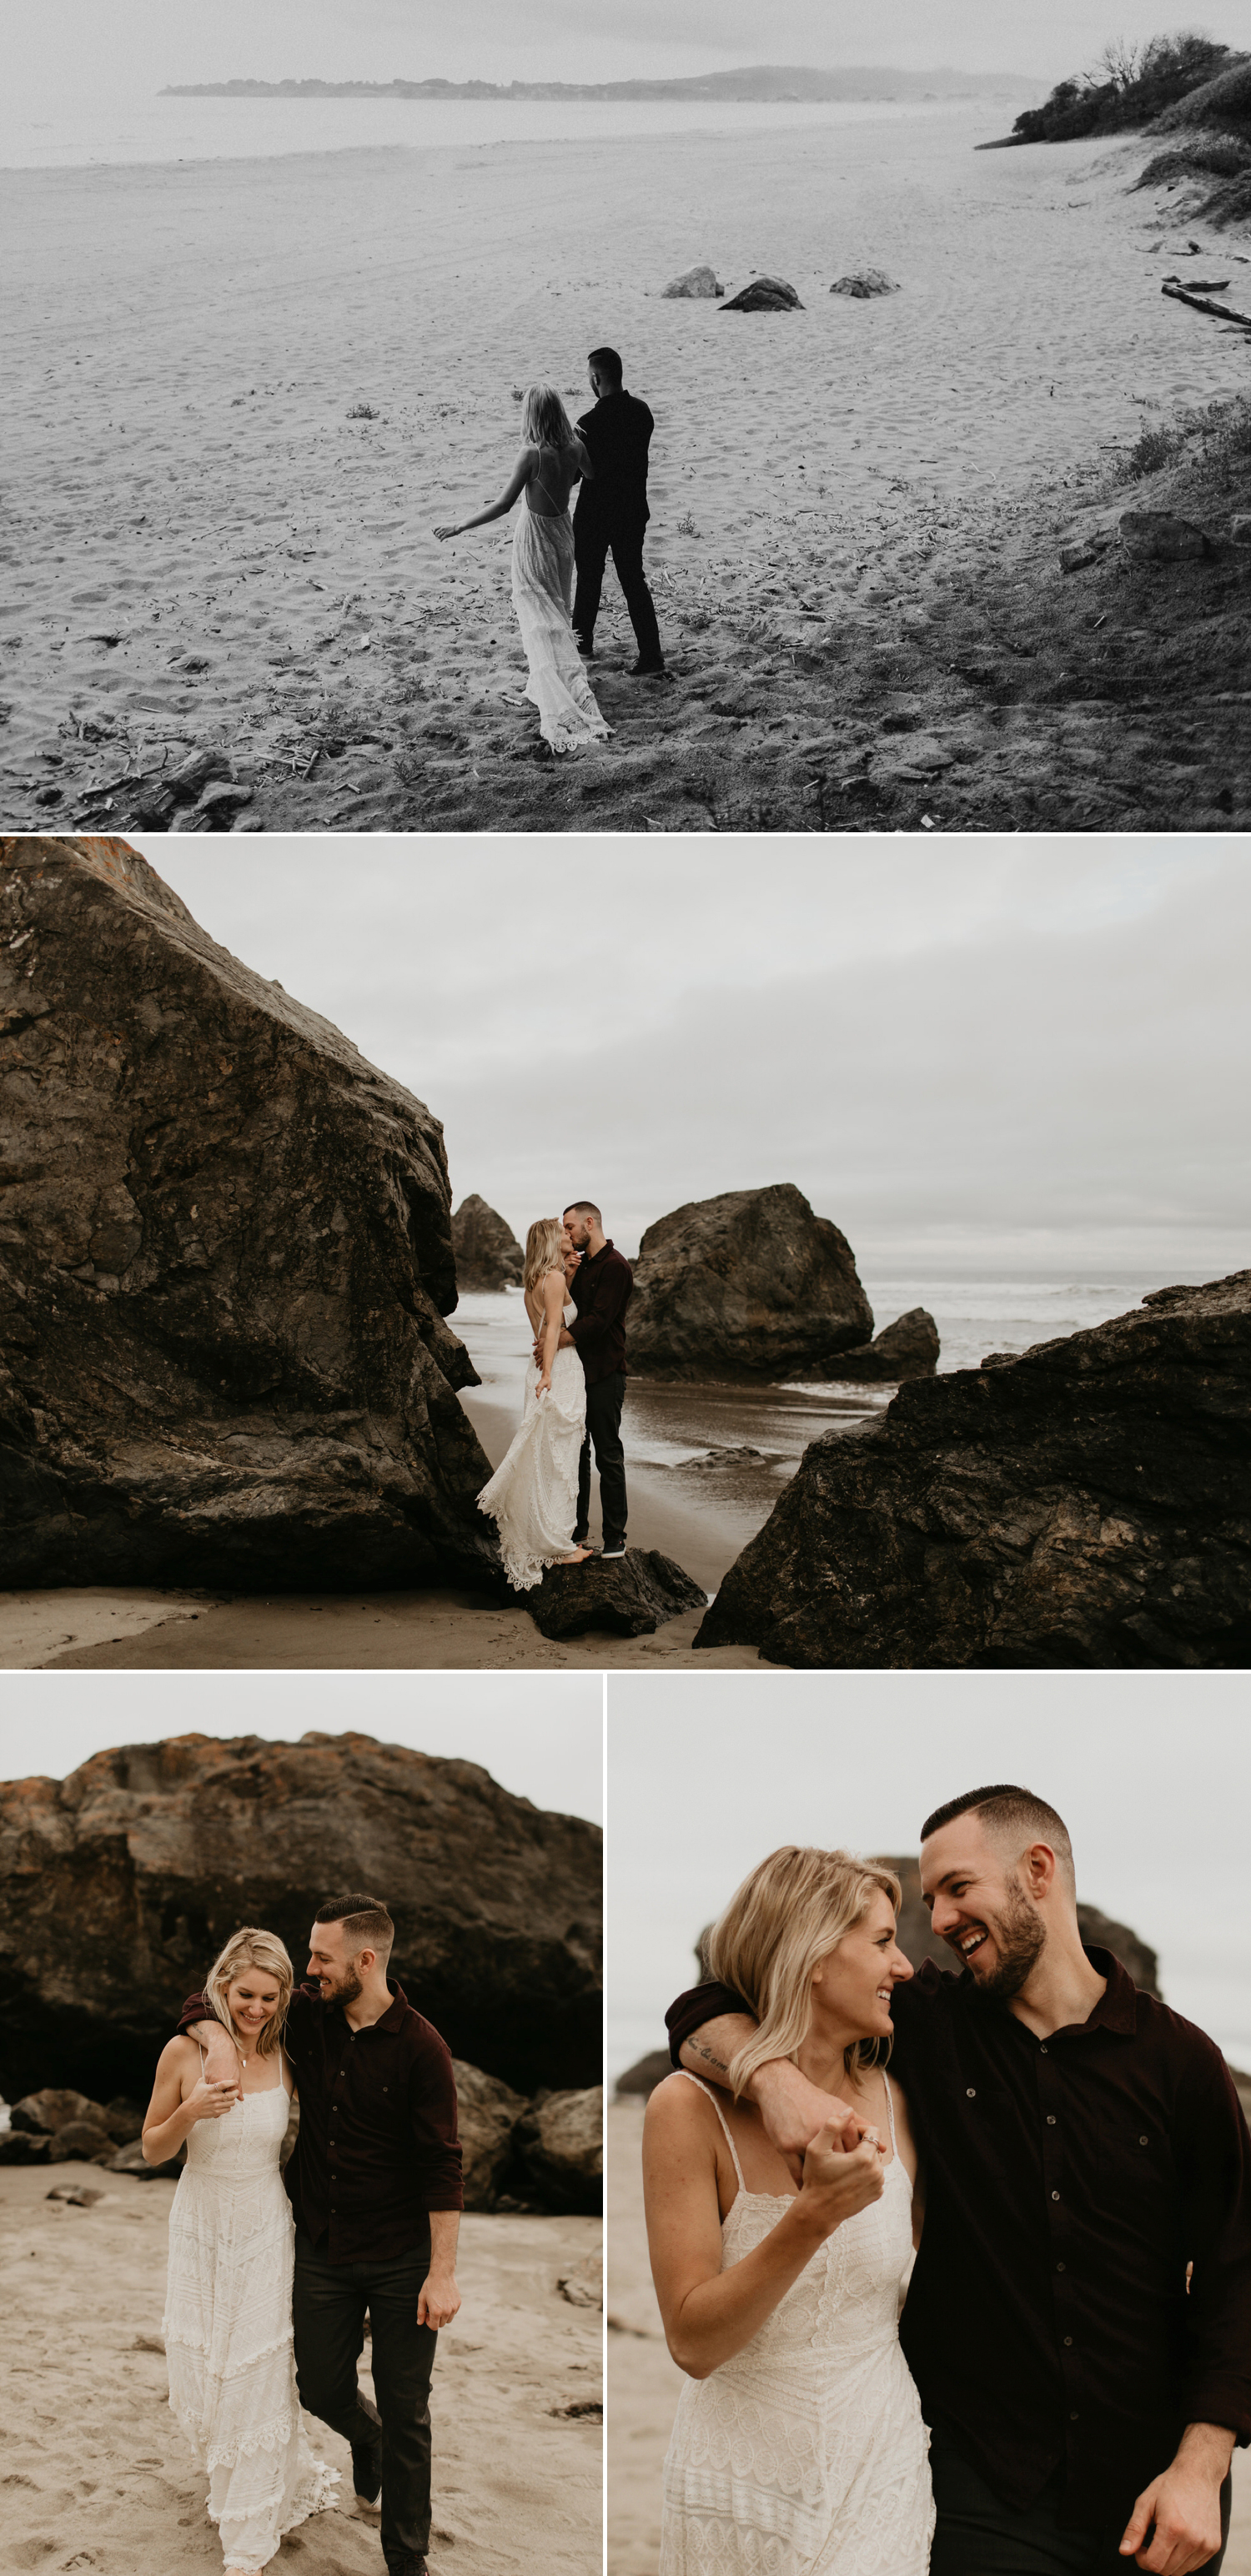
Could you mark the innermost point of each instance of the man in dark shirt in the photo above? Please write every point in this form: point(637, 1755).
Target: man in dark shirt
point(1079, 2319)
point(375, 2184)
point(611, 513)
point(601, 1292)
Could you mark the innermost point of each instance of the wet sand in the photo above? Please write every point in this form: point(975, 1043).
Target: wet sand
point(95, 2472)
point(245, 392)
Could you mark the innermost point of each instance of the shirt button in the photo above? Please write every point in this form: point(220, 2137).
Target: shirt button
point(1072, 2419)
point(1144, 2142)
point(1051, 2119)
point(1055, 2195)
point(1042, 2048)
point(971, 2091)
point(1059, 2267)
point(1067, 2341)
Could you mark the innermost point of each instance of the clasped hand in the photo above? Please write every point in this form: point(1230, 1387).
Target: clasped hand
point(210, 2100)
point(835, 2184)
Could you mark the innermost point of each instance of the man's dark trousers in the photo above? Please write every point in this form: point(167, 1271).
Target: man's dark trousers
point(979, 2535)
point(330, 2302)
point(603, 1426)
point(593, 540)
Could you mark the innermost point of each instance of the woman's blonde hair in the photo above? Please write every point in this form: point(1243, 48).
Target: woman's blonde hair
point(542, 1250)
point(545, 421)
point(792, 1911)
point(252, 1948)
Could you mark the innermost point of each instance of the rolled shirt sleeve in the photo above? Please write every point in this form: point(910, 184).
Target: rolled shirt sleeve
point(432, 2114)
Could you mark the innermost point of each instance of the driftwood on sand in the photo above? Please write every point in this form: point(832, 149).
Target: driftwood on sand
point(1203, 304)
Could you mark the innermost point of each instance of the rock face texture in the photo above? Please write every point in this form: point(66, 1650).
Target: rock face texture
point(864, 282)
point(696, 283)
point(907, 1348)
point(1085, 1504)
point(119, 1885)
point(764, 295)
point(487, 2116)
point(631, 1596)
point(561, 2145)
point(748, 1285)
point(225, 1259)
point(487, 1252)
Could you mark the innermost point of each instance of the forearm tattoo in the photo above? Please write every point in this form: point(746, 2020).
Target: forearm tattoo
point(709, 2055)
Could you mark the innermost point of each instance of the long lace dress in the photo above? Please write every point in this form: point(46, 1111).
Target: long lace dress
point(533, 1495)
point(543, 598)
point(806, 2454)
point(228, 2332)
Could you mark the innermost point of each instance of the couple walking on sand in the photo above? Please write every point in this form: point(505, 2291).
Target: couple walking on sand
point(271, 2275)
point(1057, 2387)
point(577, 1287)
point(607, 456)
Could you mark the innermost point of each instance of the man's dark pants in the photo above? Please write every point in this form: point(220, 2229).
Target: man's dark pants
point(603, 1426)
point(330, 2303)
point(593, 540)
point(979, 2535)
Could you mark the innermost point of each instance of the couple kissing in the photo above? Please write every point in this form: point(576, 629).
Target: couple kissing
point(576, 1287)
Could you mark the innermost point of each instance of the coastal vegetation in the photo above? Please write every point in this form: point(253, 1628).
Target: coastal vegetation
point(1128, 86)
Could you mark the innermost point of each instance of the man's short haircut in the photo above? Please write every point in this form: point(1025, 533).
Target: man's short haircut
point(366, 1923)
point(607, 363)
point(1010, 1815)
point(583, 1207)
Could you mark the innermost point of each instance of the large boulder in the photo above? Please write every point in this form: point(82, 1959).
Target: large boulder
point(561, 2145)
point(764, 295)
point(119, 1885)
point(748, 1285)
point(698, 284)
point(629, 1596)
point(487, 2117)
point(225, 1259)
point(132, 2160)
point(1084, 1504)
point(53, 2108)
point(486, 1250)
point(907, 1348)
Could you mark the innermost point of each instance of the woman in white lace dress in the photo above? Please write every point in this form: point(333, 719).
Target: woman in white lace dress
point(228, 2331)
point(533, 1495)
point(798, 2447)
point(553, 458)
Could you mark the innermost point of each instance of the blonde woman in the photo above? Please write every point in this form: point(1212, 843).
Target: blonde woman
point(228, 2331)
point(553, 458)
point(533, 1495)
point(798, 2445)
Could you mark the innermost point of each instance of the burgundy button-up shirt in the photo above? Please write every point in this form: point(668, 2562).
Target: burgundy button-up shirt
point(1068, 2184)
point(377, 2147)
point(601, 1292)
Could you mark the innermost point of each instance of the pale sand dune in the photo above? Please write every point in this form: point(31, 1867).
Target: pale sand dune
point(94, 2474)
point(185, 480)
point(643, 2383)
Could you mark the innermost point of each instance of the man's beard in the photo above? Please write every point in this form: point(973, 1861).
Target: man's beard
point(1021, 1938)
point(348, 1988)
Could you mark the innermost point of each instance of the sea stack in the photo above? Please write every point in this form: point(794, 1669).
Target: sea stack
point(488, 1255)
point(749, 1285)
point(1083, 1505)
point(225, 1260)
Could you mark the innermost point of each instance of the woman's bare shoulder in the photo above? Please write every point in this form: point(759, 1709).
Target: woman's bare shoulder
point(178, 2056)
point(676, 2107)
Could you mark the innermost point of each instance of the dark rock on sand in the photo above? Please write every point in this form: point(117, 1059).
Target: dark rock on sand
point(905, 1349)
point(630, 1596)
point(82, 2142)
point(225, 1259)
point(748, 1285)
point(561, 2145)
point(488, 2113)
point(646, 2073)
point(18, 2147)
point(119, 1885)
point(697, 283)
point(1083, 1505)
point(764, 295)
point(131, 2160)
point(53, 2108)
point(1158, 536)
point(864, 282)
point(486, 1250)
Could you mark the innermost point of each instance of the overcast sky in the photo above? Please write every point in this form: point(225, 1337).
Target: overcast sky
point(69, 44)
point(1028, 1054)
point(539, 1734)
point(708, 1773)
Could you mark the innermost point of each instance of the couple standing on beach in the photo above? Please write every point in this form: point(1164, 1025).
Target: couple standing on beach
point(577, 1287)
point(271, 2275)
point(607, 455)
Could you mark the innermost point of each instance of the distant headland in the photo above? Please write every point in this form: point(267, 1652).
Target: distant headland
point(786, 83)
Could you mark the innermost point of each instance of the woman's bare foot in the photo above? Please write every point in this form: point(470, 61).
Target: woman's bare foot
point(579, 1556)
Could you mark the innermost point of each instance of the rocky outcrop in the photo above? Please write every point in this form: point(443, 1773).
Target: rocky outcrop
point(487, 1253)
point(748, 1285)
point(1084, 1504)
point(905, 1349)
point(561, 2146)
point(119, 1884)
point(630, 1596)
point(865, 282)
point(764, 295)
point(697, 283)
point(487, 2116)
point(225, 1259)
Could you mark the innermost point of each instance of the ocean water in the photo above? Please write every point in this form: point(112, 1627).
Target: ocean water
point(77, 130)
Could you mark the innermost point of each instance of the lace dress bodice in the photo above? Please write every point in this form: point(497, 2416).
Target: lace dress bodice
point(533, 1495)
point(228, 2330)
point(805, 2454)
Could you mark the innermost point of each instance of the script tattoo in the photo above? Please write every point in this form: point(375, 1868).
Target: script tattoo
point(709, 2055)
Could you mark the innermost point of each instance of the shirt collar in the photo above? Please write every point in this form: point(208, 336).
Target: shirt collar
point(1117, 2008)
point(392, 2018)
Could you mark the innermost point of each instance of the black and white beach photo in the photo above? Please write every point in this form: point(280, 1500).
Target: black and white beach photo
point(900, 383)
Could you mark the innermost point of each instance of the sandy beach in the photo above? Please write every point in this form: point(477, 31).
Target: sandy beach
point(96, 2475)
point(643, 2383)
point(244, 392)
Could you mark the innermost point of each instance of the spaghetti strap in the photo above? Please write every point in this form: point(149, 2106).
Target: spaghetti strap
point(707, 2088)
point(890, 2112)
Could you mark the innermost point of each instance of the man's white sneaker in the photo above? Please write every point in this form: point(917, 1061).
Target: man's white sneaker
point(609, 1553)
